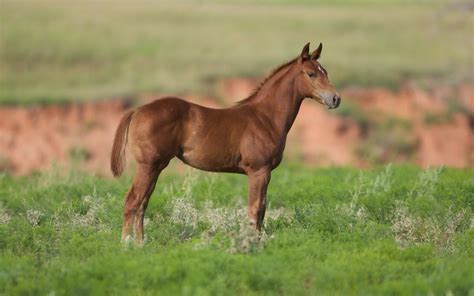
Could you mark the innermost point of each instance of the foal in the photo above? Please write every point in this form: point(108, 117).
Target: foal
point(248, 138)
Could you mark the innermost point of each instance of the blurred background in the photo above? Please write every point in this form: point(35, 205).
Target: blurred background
point(69, 70)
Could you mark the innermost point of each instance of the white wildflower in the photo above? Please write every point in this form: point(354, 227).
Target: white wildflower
point(34, 217)
point(4, 216)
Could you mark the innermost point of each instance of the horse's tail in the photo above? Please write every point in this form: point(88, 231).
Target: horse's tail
point(117, 159)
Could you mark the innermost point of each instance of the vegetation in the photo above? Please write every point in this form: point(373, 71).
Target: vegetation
point(328, 231)
point(391, 139)
point(391, 230)
point(62, 50)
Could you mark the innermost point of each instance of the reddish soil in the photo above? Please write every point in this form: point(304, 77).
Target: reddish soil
point(445, 139)
point(35, 137)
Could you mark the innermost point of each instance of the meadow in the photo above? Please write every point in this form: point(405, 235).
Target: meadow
point(334, 231)
point(56, 51)
point(391, 230)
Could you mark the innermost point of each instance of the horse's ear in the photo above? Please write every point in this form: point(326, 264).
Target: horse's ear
point(305, 52)
point(317, 52)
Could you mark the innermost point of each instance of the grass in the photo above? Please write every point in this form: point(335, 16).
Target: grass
point(328, 231)
point(61, 50)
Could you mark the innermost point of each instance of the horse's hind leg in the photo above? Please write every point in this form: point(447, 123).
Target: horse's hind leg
point(137, 199)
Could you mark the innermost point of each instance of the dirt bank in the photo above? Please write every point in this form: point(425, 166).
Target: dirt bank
point(374, 126)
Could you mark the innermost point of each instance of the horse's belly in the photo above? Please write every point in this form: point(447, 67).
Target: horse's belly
point(213, 160)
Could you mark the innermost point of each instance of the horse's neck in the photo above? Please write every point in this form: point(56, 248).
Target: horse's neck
point(279, 103)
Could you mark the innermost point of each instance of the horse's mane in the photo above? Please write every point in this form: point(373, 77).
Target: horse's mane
point(259, 87)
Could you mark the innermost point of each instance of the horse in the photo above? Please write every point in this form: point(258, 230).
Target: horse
point(247, 138)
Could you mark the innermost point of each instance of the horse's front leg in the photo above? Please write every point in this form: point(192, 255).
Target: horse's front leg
point(257, 185)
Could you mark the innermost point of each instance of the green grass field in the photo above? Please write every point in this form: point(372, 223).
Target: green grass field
point(337, 231)
point(64, 50)
point(334, 231)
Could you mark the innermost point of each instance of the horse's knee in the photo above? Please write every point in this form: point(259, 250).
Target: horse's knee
point(129, 212)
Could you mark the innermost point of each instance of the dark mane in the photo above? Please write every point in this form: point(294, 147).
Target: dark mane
point(259, 87)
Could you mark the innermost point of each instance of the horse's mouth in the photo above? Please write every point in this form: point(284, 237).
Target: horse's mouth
point(320, 100)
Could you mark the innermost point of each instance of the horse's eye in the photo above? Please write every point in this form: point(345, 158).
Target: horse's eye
point(312, 74)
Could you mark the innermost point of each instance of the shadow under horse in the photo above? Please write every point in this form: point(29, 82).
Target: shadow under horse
point(248, 138)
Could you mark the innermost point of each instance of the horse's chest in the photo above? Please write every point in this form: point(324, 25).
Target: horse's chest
point(275, 155)
point(265, 152)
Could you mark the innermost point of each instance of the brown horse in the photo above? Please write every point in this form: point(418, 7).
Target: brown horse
point(248, 138)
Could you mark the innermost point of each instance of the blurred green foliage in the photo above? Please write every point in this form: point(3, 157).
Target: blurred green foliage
point(65, 50)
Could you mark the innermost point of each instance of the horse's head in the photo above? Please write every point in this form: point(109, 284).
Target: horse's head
point(312, 80)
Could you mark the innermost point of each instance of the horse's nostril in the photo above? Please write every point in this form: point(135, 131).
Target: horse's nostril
point(334, 100)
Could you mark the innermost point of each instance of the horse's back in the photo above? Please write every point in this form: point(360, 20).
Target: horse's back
point(163, 109)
